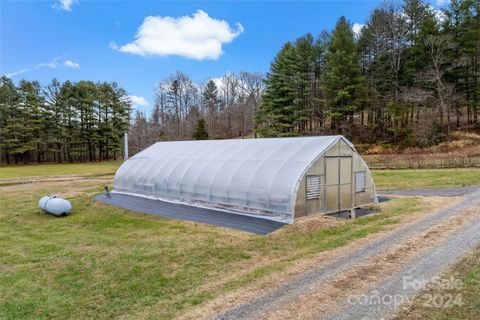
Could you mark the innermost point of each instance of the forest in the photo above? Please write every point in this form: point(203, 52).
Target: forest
point(408, 78)
point(68, 121)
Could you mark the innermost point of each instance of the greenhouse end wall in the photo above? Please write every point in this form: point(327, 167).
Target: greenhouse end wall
point(337, 183)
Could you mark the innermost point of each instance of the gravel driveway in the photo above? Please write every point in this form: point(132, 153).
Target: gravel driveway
point(274, 304)
point(423, 268)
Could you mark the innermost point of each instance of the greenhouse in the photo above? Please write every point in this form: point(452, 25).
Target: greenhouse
point(273, 178)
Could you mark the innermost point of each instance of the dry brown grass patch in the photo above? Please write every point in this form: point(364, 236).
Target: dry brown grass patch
point(308, 224)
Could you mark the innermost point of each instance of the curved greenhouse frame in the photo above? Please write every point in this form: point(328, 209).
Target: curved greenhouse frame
point(259, 177)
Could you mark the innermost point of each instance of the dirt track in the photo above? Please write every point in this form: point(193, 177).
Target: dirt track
point(418, 251)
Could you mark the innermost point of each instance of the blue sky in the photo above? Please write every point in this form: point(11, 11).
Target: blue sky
point(95, 40)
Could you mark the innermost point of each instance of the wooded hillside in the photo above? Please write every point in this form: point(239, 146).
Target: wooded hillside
point(408, 77)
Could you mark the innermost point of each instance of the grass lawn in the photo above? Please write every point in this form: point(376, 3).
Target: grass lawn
point(384, 179)
point(426, 178)
point(465, 303)
point(54, 169)
point(106, 262)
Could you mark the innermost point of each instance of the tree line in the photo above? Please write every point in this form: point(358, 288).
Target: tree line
point(82, 121)
point(409, 77)
point(216, 109)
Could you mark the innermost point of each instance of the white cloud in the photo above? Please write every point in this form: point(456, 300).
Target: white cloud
point(196, 37)
point(16, 73)
point(52, 65)
point(439, 15)
point(228, 79)
point(65, 5)
point(357, 28)
point(442, 2)
point(219, 82)
point(138, 101)
point(113, 45)
point(71, 64)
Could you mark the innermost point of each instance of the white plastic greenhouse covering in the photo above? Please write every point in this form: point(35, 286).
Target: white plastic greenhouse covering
point(249, 176)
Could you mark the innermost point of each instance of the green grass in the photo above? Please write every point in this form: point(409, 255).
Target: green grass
point(467, 303)
point(31, 170)
point(426, 178)
point(384, 179)
point(106, 262)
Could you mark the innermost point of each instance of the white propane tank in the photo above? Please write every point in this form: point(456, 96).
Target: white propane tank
point(55, 205)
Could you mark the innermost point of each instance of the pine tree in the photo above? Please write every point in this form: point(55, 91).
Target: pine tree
point(304, 80)
point(420, 22)
point(103, 126)
point(86, 97)
point(201, 130)
point(210, 104)
point(68, 99)
point(343, 82)
point(120, 117)
point(33, 118)
point(54, 125)
point(463, 22)
point(10, 120)
point(277, 116)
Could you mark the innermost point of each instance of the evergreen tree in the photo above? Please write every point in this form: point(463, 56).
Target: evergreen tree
point(69, 101)
point(210, 103)
point(201, 130)
point(11, 124)
point(33, 117)
point(104, 128)
point(421, 21)
point(463, 23)
point(304, 80)
point(54, 125)
point(120, 117)
point(277, 116)
point(343, 82)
